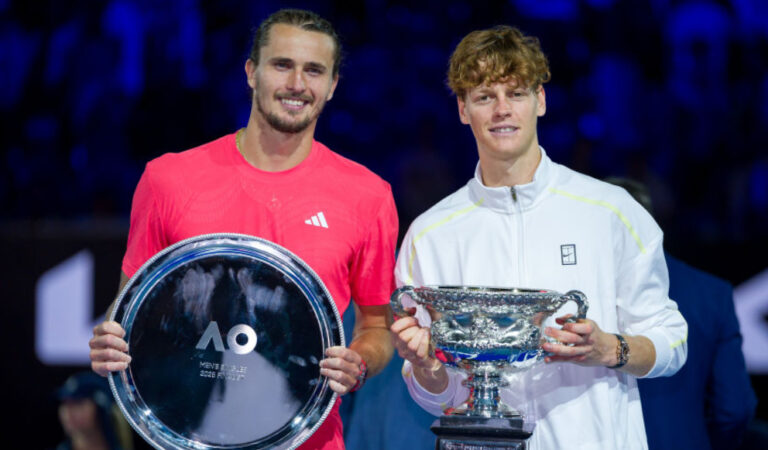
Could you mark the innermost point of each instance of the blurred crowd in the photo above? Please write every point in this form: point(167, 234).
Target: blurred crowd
point(670, 93)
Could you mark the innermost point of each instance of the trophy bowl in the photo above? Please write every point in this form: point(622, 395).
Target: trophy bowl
point(486, 332)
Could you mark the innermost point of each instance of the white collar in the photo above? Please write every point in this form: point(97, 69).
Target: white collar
point(501, 198)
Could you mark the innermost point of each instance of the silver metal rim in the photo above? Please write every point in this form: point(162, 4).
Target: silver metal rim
point(121, 383)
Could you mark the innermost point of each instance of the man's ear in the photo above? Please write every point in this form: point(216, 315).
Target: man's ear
point(333, 87)
point(250, 72)
point(541, 101)
point(462, 112)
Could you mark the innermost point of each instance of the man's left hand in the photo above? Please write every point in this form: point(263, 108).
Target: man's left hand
point(590, 346)
point(342, 367)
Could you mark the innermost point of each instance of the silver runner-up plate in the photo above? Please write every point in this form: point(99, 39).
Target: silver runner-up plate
point(225, 332)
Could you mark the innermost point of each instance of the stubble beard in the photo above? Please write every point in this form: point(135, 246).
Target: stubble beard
point(285, 126)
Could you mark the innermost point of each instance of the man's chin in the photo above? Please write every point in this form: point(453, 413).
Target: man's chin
point(285, 126)
point(294, 124)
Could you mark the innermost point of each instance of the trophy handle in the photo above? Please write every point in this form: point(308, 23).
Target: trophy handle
point(582, 305)
point(580, 299)
point(397, 305)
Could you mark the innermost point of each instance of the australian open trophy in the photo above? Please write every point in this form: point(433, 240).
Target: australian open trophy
point(487, 332)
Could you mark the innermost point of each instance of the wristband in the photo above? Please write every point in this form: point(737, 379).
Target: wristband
point(361, 376)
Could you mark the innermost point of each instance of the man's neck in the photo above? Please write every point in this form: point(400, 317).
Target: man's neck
point(509, 172)
point(273, 151)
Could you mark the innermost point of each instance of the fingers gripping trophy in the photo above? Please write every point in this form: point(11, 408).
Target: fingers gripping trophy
point(486, 332)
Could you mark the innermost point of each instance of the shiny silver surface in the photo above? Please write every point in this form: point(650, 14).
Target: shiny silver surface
point(486, 332)
point(225, 332)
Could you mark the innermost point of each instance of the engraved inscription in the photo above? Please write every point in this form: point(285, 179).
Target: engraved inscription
point(469, 444)
point(227, 372)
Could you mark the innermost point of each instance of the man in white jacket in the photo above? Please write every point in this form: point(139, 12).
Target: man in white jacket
point(525, 221)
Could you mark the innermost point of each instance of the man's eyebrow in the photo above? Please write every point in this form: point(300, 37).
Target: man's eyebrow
point(280, 59)
point(310, 64)
point(316, 65)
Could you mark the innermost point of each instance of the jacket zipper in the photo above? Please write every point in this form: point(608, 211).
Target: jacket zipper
point(522, 276)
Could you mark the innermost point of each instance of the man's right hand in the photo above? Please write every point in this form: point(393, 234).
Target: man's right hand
point(108, 349)
point(412, 344)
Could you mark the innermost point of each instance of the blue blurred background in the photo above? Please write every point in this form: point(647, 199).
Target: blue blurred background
point(671, 93)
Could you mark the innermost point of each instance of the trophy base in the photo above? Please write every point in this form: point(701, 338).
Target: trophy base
point(480, 433)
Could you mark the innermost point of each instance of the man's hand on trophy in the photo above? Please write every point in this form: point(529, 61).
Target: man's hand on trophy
point(108, 349)
point(581, 342)
point(413, 344)
point(342, 366)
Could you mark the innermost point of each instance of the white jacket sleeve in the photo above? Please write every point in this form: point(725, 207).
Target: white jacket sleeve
point(454, 394)
point(644, 307)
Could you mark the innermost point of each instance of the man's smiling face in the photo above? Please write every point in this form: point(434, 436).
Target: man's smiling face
point(503, 118)
point(294, 77)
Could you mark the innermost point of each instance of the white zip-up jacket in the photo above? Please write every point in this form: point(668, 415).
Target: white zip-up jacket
point(562, 231)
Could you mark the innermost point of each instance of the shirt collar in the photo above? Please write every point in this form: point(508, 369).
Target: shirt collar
point(501, 198)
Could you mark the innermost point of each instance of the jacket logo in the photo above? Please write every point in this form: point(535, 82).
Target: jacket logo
point(568, 254)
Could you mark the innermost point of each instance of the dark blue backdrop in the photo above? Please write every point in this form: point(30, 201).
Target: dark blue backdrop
point(672, 93)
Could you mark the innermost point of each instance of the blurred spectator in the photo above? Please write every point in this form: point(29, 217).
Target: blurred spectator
point(89, 416)
point(710, 402)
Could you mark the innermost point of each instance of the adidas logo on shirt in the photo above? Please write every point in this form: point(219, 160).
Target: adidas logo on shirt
point(318, 220)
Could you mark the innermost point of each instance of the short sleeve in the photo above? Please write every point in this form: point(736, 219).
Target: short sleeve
point(371, 273)
point(146, 236)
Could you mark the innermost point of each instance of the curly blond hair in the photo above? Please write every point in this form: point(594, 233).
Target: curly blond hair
point(498, 54)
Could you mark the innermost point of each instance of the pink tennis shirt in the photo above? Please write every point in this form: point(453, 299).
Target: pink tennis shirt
point(334, 214)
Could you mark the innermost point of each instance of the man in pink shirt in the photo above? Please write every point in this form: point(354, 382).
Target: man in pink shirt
point(271, 179)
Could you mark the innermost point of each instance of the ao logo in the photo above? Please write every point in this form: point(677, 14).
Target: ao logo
point(212, 333)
